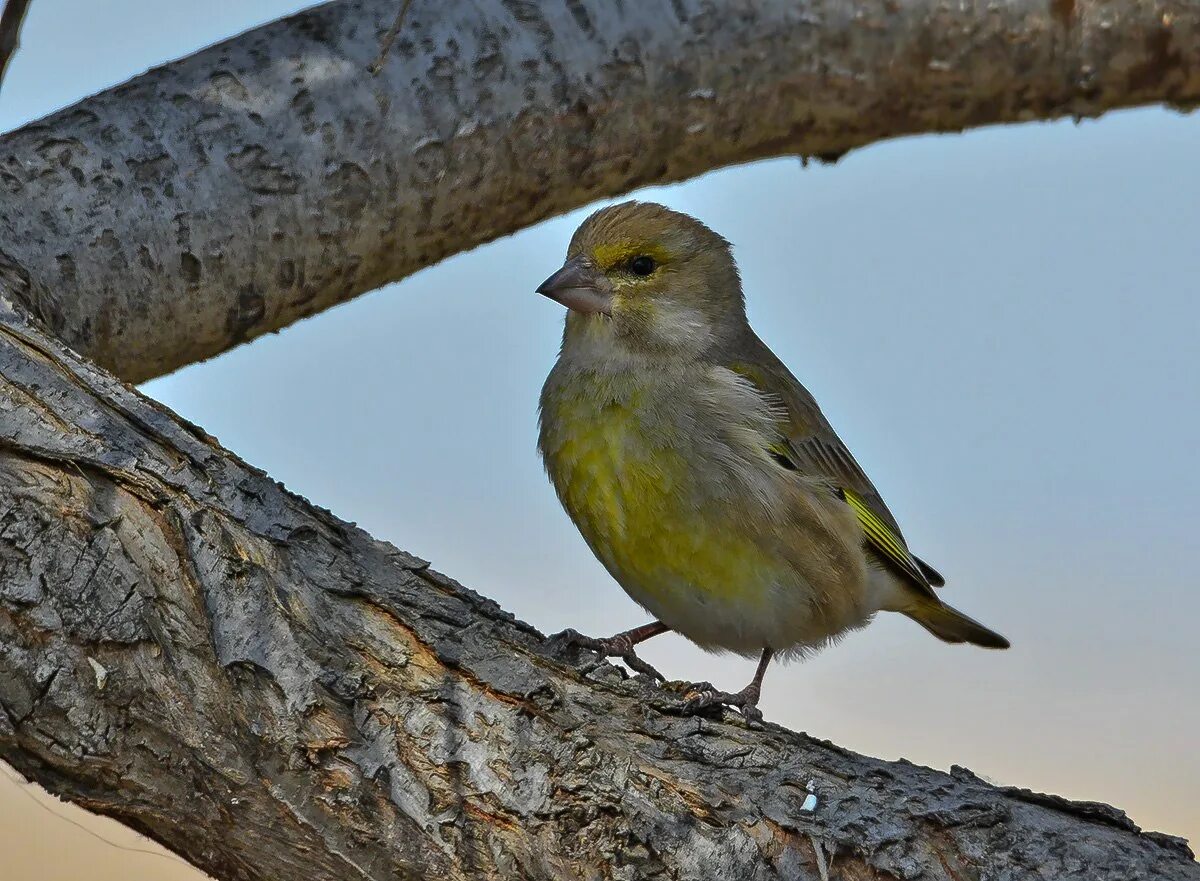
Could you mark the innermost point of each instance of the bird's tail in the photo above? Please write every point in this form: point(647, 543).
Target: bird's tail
point(951, 625)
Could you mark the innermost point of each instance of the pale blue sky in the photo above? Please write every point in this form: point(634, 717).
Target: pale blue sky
point(1002, 325)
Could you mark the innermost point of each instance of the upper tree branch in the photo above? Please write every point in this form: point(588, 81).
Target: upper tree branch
point(269, 177)
point(272, 694)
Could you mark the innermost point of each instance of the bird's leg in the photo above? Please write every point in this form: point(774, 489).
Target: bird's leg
point(619, 646)
point(745, 700)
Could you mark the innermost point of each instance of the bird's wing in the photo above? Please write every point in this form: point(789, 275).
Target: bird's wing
point(809, 444)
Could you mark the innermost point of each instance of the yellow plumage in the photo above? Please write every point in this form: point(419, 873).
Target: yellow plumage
point(699, 471)
point(630, 501)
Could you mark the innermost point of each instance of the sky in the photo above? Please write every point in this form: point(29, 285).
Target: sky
point(1002, 325)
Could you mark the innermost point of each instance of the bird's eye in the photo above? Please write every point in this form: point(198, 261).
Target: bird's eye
point(642, 265)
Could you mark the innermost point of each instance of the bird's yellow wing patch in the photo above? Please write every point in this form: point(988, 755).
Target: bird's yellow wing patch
point(883, 539)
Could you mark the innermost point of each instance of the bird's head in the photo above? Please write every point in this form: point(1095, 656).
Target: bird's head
point(650, 280)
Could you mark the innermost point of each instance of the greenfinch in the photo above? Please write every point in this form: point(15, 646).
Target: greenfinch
point(701, 473)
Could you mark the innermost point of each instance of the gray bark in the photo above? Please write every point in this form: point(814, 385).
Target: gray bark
point(266, 178)
point(271, 693)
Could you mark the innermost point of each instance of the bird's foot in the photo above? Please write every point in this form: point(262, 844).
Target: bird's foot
point(619, 646)
point(702, 696)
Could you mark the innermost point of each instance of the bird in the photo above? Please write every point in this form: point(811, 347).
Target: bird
point(701, 473)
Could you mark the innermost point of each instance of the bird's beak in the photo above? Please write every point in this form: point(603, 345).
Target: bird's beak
point(581, 286)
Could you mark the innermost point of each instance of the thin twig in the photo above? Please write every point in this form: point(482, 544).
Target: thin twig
point(10, 31)
point(24, 786)
point(390, 37)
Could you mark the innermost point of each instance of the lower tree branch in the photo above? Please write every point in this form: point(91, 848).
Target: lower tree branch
point(271, 693)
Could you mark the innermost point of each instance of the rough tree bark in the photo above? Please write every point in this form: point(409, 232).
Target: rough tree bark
point(266, 178)
point(268, 691)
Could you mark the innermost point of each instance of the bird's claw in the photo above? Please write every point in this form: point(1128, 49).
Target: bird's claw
point(702, 696)
point(619, 646)
point(569, 638)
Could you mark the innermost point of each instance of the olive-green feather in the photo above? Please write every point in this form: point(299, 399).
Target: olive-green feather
point(809, 445)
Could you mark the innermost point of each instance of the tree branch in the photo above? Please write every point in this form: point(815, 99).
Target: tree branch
point(271, 693)
point(271, 176)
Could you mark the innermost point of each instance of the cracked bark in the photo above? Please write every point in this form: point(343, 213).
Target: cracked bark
point(269, 177)
point(271, 693)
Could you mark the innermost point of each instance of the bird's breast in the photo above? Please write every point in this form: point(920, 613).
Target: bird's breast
point(637, 471)
point(689, 516)
point(614, 455)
